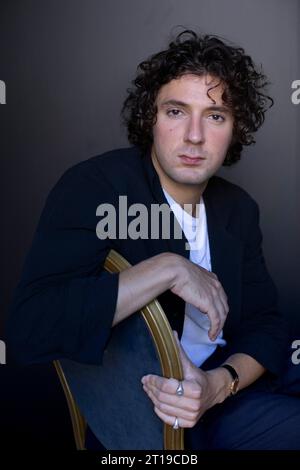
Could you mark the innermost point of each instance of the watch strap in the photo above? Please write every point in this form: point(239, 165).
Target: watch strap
point(235, 378)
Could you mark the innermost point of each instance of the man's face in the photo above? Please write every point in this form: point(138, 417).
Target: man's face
point(192, 133)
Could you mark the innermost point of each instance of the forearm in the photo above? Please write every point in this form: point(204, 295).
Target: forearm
point(61, 319)
point(140, 284)
point(247, 368)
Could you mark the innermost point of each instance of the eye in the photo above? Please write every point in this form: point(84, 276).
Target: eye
point(174, 112)
point(217, 117)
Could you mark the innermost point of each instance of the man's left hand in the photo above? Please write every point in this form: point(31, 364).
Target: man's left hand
point(202, 390)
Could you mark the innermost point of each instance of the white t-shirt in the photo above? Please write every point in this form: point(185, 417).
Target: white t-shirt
point(195, 340)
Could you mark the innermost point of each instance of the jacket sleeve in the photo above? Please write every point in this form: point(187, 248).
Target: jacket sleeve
point(65, 302)
point(262, 332)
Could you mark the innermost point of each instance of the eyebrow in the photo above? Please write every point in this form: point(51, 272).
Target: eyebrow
point(223, 109)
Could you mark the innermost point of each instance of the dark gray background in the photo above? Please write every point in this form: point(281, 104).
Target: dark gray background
point(67, 65)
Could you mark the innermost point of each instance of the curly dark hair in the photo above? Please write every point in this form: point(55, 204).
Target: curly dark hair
point(244, 86)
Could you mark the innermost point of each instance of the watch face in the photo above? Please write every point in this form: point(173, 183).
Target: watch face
point(234, 386)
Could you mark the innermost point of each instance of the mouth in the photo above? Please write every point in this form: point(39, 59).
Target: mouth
point(191, 160)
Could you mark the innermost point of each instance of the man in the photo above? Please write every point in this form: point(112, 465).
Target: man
point(191, 110)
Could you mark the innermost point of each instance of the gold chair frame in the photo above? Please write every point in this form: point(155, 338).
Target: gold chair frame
point(167, 351)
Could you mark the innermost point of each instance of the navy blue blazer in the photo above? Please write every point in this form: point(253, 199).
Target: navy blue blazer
point(64, 303)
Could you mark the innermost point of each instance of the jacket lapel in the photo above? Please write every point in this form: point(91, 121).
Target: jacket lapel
point(226, 250)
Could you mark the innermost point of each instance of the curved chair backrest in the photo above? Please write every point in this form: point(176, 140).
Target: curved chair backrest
point(78, 421)
point(75, 377)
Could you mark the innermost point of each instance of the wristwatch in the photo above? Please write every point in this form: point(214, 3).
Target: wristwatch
point(235, 379)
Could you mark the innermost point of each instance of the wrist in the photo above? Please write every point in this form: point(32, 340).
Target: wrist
point(220, 382)
point(172, 264)
point(234, 386)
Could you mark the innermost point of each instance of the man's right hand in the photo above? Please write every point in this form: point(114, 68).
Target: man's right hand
point(202, 289)
point(140, 284)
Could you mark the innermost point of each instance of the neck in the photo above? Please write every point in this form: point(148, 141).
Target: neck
point(186, 197)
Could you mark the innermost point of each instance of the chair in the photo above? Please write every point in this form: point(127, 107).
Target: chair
point(129, 424)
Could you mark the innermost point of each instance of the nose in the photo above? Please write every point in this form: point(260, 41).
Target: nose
point(194, 130)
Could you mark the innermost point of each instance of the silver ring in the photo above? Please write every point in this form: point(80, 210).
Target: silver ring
point(179, 389)
point(176, 423)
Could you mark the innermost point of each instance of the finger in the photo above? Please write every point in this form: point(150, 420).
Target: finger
point(183, 423)
point(184, 410)
point(217, 311)
point(224, 300)
point(163, 386)
point(168, 386)
point(219, 291)
point(215, 320)
point(186, 402)
point(219, 320)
